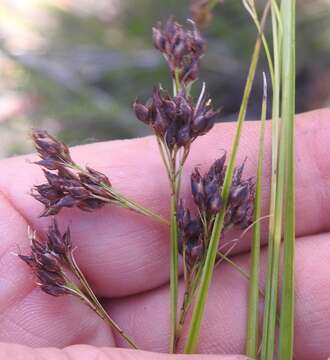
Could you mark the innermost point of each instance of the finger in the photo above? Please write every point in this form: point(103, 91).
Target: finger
point(224, 322)
point(29, 316)
point(134, 250)
point(85, 352)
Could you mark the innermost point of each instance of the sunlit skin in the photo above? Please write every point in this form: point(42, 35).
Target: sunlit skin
point(126, 256)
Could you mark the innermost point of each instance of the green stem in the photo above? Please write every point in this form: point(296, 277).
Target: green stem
point(284, 204)
point(133, 205)
point(286, 333)
point(188, 297)
point(121, 199)
point(240, 270)
point(176, 82)
point(250, 6)
point(93, 301)
point(252, 333)
point(170, 160)
point(183, 311)
point(208, 267)
point(174, 273)
point(277, 39)
point(173, 268)
point(268, 342)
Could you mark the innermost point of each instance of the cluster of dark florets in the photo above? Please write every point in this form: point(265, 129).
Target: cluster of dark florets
point(48, 260)
point(65, 187)
point(176, 119)
point(206, 191)
point(240, 208)
point(182, 49)
point(191, 243)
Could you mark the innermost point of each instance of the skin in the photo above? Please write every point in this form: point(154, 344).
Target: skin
point(126, 256)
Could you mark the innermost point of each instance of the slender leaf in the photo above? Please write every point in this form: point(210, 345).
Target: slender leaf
point(253, 309)
point(288, 107)
point(196, 320)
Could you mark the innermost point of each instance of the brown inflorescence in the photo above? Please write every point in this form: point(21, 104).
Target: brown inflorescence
point(48, 260)
point(181, 48)
point(54, 154)
point(58, 273)
point(176, 120)
point(67, 185)
point(190, 236)
point(206, 191)
point(240, 208)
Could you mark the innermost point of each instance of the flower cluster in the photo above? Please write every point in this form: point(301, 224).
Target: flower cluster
point(67, 189)
point(206, 189)
point(48, 259)
point(191, 243)
point(206, 192)
point(68, 186)
point(182, 49)
point(176, 119)
point(240, 208)
point(54, 154)
point(58, 273)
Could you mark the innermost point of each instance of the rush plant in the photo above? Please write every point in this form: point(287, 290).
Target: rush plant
point(222, 197)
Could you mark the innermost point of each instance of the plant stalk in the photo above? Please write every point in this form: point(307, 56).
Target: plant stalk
point(196, 320)
point(173, 268)
point(93, 301)
point(286, 333)
point(252, 333)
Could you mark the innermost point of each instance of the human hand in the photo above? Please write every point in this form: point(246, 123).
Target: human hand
point(126, 256)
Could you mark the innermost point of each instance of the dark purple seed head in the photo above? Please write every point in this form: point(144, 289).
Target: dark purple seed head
point(56, 242)
point(239, 194)
point(214, 204)
point(50, 148)
point(141, 112)
point(158, 39)
point(197, 189)
point(48, 262)
point(183, 137)
point(184, 110)
point(28, 259)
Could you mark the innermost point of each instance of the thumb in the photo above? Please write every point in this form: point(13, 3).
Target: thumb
point(87, 352)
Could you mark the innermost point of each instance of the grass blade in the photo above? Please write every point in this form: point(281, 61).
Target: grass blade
point(268, 334)
point(173, 270)
point(270, 311)
point(252, 333)
point(284, 198)
point(195, 324)
point(288, 108)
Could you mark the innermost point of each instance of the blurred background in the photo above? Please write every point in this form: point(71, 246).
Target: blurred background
point(74, 67)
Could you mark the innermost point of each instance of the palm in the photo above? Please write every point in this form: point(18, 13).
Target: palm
point(125, 256)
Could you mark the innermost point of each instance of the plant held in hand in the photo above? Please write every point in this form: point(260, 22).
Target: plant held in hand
point(69, 185)
point(53, 263)
point(176, 122)
point(195, 232)
point(222, 198)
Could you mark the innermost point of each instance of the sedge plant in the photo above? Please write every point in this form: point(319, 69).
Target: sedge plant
point(222, 197)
